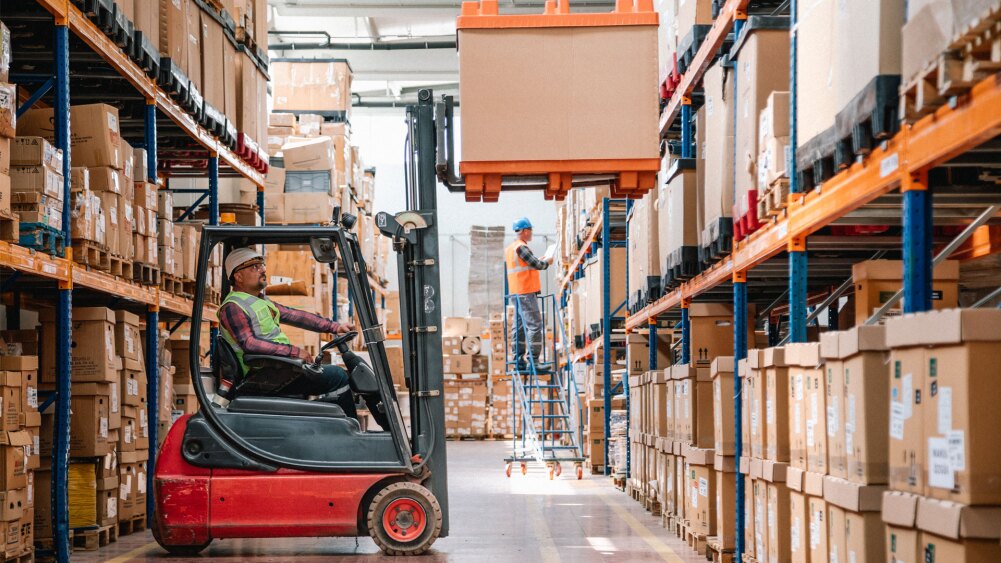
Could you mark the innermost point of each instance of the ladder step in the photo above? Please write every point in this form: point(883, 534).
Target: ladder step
point(549, 401)
point(544, 387)
point(550, 416)
point(560, 447)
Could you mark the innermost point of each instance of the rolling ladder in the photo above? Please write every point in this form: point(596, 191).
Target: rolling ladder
point(545, 396)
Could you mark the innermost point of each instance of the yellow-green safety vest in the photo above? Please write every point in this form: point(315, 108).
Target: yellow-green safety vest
point(265, 321)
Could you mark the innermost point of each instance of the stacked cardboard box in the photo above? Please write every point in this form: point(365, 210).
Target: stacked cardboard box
point(944, 499)
point(313, 86)
point(773, 143)
point(465, 408)
point(463, 349)
point(36, 180)
point(878, 280)
point(20, 424)
point(644, 254)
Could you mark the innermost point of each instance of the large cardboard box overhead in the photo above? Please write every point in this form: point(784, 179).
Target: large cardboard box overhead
point(213, 82)
point(173, 31)
point(717, 203)
point(532, 93)
point(321, 85)
point(755, 52)
point(869, 44)
point(816, 68)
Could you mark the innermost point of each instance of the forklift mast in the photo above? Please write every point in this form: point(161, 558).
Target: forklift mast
point(415, 239)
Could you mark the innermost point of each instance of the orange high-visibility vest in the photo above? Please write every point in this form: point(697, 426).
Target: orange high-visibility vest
point(521, 277)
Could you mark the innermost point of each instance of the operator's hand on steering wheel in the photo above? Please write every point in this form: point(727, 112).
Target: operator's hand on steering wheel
point(305, 357)
point(345, 328)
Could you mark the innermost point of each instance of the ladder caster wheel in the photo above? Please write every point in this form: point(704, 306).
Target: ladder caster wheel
point(551, 472)
point(580, 472)
point(507, 470)
point(524, 469)
point(559, 469)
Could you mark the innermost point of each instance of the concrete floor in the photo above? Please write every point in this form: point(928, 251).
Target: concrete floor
point(495, 519)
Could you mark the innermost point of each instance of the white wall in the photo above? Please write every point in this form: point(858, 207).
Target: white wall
point(380, 133)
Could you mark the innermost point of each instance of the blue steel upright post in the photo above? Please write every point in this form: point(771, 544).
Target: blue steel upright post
point(64, 312)
point(152, 331)
point(606, 326)
point(686, 333)
point(797, 246)
point(739, 353)
point(918, 267)
point(260, 204)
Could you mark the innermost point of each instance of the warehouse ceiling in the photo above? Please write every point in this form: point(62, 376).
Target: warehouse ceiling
point(395, 47)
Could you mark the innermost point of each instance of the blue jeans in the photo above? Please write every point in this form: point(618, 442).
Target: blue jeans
point(333, 378)
point(527, 327)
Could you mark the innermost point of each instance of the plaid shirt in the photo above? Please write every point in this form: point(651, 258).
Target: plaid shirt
point(235, 320)
point(526, 254)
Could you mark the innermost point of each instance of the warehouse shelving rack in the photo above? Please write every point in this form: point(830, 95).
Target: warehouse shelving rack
point(151, 120)
point(608, 231)
point(859, 194)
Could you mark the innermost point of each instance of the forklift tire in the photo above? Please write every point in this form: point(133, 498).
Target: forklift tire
point(404, 519)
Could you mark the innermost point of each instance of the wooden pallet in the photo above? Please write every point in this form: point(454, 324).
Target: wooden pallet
point(132, 525)
point(92, 255)
point(213, 296)
point(42, 238)
point(10, 229)
point(696, 541)
point(26, 556)
point(619, 483)
point(715, 551)
point(652, 506)
point(121, 267)
point(145, 274)
point(172, 284)
point(973, 55)
point(773, 201)
point(90, 539)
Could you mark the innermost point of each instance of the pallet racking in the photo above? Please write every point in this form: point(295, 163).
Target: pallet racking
point(855, 195)
point(176, 145)
point(608, 231)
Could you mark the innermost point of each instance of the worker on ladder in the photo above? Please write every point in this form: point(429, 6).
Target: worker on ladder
point(524, 285)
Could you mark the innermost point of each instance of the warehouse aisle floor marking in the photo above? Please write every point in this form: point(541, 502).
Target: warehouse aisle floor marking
point(143, 550)
point(641, 530)
point(550, 553)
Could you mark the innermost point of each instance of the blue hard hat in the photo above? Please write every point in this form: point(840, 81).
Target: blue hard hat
point(521, 224)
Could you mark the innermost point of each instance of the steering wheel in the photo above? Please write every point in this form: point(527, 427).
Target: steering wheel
point(340, 342)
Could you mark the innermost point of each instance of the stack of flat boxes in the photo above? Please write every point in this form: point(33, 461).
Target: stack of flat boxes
point(146, 212)
point(465, 369)
point(20, 449)
point(643, 385)
point(97, 146)
point(501, 393)
point(37, 168)
point(944, 501)
point(317, 172)
point(133, 436)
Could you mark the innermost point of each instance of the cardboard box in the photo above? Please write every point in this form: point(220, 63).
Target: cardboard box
point(754, 52)
point(10, 400)
point(936, 548)
point(306, 208)
point(959, 423)
point(817, 71)
point(501, 119)
point(95, 141)
point(776, 401)
point(33, 151)
point(726, 508)
point(457, 364)
point(864, 537)
point(309, 154)
point(93, 357)
point(778, 521)
point(876, 281)
point(127, 338)
point(91, 403)
point(724, 439)
point(701, 493)
point(323, 85)
point(40, 179)
point(14, 459)
point(799, 528)
point(817, 514)
point(865, 419)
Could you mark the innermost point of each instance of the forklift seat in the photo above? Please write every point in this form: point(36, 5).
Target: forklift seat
point(285, 406)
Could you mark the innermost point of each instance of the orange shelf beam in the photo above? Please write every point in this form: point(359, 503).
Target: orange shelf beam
point(573, 264)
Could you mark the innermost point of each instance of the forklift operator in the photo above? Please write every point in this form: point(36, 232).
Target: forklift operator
point(250, 324)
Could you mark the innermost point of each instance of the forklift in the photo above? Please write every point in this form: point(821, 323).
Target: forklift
point(256, 464)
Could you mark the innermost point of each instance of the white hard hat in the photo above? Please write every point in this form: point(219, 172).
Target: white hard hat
point(238, 257)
